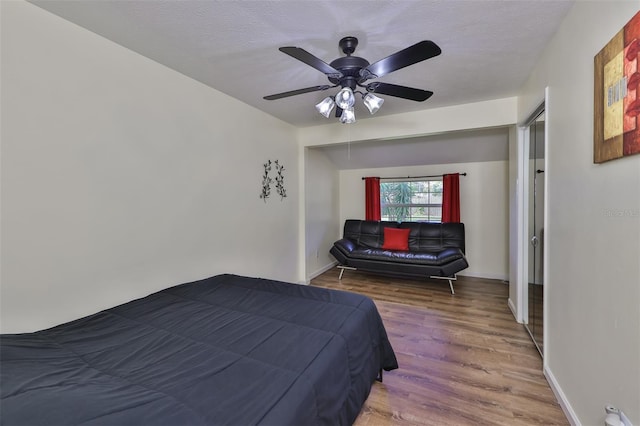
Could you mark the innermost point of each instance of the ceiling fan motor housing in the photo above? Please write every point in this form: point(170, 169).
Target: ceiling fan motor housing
point(350, 67)
point(348, 45)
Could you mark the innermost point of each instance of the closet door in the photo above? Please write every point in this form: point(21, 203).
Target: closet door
point(536, 230)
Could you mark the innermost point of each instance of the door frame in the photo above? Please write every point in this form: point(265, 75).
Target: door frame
point(523, 229)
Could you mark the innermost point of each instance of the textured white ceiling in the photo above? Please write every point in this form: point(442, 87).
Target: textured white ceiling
point(489, 47)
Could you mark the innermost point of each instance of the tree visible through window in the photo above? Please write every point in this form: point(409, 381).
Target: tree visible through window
point(411, 201)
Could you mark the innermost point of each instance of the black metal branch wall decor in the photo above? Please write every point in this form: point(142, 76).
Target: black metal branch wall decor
point(267, 180)
point(280, 181)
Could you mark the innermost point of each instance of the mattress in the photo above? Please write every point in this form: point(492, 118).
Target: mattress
point(226, 350)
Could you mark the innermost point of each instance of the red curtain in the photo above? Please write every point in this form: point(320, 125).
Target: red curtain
point(372, 198)
point(451, 198)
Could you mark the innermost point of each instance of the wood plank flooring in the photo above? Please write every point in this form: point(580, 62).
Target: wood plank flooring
point(463, 358)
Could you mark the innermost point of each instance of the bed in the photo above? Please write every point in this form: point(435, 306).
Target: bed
point(226, 350)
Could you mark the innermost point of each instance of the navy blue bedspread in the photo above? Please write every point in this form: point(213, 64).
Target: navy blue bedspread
point(226, 350)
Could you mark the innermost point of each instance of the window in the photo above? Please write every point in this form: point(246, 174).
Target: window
point(411, 201)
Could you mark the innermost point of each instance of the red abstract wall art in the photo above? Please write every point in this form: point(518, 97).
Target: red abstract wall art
point(616, 130)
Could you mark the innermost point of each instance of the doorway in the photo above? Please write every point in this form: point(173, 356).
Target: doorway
point(535, 227)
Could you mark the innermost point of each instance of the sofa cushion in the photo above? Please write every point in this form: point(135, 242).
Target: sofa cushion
point(396, 239)
point(366, 233)
point(345, 245)
point(415, 257)
point(423, 235)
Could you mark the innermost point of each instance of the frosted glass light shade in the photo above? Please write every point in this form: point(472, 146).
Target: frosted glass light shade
point(372, 102)
point(326, 106)
point(348, 116)
point(345, 98)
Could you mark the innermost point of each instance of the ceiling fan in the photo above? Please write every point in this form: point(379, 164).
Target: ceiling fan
point(350, 72)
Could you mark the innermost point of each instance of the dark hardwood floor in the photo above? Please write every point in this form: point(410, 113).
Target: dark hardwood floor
point(463, 358)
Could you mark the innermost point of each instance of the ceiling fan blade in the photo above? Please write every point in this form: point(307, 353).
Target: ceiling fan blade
point(313, 61)
point(297, 92)
point(410, 93)
point(413, 54)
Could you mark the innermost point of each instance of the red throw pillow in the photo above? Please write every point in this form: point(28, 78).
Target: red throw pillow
point(396, 239)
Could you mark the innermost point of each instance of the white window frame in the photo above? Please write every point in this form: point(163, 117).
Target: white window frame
point(429, 206)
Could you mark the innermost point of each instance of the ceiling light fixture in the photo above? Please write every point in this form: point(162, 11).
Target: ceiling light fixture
point(372, 102)
point(348, 116)
point(326, 106)
point(345, 100)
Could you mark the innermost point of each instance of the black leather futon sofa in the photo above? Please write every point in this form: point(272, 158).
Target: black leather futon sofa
point(412, 249)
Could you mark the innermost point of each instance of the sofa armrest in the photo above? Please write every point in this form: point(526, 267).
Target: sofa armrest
point(449, 255)
point(345, 245)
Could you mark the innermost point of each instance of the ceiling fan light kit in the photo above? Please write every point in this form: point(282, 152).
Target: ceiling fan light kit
point(372, 102)
point(345, 98)
point(326, 106)
point(348, 116)
point(350, 72)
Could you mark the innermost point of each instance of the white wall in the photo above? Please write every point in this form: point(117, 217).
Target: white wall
point(477, 115)
point(322, 222)
point(484, 208)
point(121, 177)
point(592, 287)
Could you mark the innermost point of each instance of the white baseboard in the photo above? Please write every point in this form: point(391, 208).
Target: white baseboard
point(561, 397)
point(320, 271)
point(512, 306)
point(489, 276)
